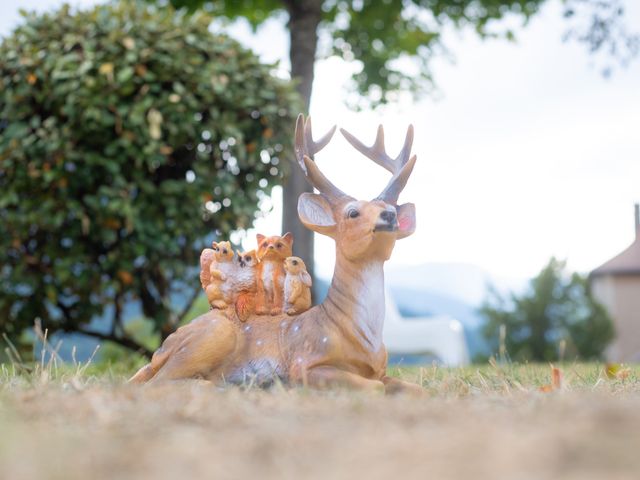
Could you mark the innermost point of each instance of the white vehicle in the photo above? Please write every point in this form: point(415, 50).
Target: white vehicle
point(423, 340)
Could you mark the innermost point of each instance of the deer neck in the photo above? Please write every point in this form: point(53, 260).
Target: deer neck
point(355, 301)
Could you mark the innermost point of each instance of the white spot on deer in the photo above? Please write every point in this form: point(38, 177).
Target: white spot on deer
point(299, 360)
point(247, 328)
point(258, 342)
point(296, 328)
point(325, 339)
point(283, 324)
point(369, 308)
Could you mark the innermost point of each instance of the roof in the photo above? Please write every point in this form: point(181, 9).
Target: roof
point(627, 262)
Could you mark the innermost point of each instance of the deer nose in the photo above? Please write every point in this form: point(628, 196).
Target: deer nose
point(270, 247)
point(388, 216)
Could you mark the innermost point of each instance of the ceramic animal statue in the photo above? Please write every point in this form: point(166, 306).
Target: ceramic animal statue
point(336, 344)
point(297, 287)
point(221, 269)
point(206, 257)
point(246, 288)
point(272, 252)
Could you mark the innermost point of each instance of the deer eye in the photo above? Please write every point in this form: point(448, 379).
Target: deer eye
point(279, 245)
point(264, 244)
point(215, 249)
point(247, 258)
point(353, 213)
point(295, 262)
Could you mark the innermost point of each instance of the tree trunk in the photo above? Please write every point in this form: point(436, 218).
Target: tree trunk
point(304, 17)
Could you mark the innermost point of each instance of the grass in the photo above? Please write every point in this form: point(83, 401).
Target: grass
point(491, 421)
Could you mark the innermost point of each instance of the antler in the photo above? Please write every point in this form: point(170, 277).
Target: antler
point(306, 148)
point(401, 167)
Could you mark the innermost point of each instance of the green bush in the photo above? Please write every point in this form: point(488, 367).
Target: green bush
point(128, 134)
point(557, 318)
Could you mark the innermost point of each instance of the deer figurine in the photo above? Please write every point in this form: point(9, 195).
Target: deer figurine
point(337, 343)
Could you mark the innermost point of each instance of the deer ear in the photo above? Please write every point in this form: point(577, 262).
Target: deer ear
point(406, 214)
point(260, 238)
point(316, 214)
point(288, 238)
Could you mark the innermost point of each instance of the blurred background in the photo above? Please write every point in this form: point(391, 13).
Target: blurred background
point(132, 134)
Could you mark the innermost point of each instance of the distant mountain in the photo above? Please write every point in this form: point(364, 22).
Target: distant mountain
point(462, 281)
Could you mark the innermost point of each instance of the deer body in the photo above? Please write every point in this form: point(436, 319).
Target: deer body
point(343, 332)
point(335, 344)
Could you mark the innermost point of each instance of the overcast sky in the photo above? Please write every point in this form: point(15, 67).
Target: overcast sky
point(529, 153)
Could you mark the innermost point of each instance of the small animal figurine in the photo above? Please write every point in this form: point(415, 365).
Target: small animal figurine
point(270, 280)
point(221, 268)
point(297, 287)
point(206, 257)
point(246, 294)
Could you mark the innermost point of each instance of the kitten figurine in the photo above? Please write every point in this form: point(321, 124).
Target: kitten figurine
point(297, 287)
point(272, 252)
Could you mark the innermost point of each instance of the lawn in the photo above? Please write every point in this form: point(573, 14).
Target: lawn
point(493, 421)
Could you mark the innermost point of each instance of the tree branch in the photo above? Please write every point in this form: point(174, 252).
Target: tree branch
point(124, 341)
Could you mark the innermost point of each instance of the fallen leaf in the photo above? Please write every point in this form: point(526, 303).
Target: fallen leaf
point(623, 373)
point(611, 369)
point(616, 371)
point(556, 377)
point(556, 381)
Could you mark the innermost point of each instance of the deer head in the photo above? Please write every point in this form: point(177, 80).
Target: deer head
point(362, 229)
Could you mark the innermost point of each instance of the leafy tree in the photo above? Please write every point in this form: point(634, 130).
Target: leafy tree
point(395, 41)
point(555, 310)
point(128, 134)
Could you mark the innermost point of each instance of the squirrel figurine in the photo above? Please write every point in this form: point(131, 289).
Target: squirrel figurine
point(246, 293)
point(270, 272)
point(221, 268)
point(297, 287)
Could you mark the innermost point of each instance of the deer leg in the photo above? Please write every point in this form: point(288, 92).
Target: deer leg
point(200, 353)
point(331, 377)
point(394, 385)
point(143, 375)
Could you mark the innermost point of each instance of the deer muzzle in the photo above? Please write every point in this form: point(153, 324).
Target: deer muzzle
point(387, 222)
